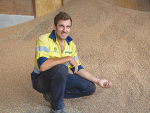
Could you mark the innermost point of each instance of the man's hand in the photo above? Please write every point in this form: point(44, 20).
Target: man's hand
point(104, 83)
point(74, 63)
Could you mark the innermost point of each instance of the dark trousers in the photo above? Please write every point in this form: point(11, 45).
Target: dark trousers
point(60, 84)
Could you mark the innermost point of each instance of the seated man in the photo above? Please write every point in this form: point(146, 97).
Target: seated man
point(55, 53)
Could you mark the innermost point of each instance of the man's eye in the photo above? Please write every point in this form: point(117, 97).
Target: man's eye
point(61, 26)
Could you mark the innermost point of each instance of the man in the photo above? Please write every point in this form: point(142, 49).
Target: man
point(55, 53)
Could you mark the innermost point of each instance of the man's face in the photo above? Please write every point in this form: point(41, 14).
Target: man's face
point(62, 29)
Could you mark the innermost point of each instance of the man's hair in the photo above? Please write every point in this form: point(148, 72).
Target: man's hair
point(62, 16)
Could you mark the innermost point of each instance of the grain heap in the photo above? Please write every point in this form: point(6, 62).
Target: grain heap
point(112, 43)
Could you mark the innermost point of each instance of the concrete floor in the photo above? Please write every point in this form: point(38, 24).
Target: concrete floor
point(10, 20)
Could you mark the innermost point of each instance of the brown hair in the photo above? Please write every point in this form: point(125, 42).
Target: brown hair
point(62, 16)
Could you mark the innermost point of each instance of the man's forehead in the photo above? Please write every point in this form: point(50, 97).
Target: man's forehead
point(64, 22)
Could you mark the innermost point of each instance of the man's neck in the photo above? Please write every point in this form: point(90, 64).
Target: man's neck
point(61, 44)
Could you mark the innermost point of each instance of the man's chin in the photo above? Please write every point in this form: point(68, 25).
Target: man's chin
point(64, 37)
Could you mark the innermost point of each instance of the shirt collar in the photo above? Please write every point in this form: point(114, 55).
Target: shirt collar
point(52, 36)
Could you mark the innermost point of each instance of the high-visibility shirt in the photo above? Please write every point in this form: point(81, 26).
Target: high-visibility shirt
point(47, 47)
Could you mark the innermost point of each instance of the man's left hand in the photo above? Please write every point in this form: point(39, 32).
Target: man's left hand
point(104, 83)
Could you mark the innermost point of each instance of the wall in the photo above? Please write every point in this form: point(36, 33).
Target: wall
point(131, 4)
point(13, 12)
point(25, 7)
point(46, 6)
point(16, 7)
point(66, 1)
point(141, 5)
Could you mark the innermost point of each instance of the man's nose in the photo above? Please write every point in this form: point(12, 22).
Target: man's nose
point(65, 29)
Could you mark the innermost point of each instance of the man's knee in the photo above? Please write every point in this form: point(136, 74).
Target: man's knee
point(59, 69)
point(62, 67)
point(91, 89)
point(61, 75)
point(62, 70)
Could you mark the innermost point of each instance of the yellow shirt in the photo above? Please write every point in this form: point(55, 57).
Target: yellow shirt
point(47, 46)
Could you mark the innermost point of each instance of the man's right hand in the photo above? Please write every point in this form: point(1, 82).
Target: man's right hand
point(73, 63)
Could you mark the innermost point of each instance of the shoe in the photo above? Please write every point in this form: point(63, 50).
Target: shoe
point(47, 97)
point(57, 111)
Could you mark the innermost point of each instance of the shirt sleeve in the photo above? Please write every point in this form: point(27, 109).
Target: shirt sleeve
point(42, 51)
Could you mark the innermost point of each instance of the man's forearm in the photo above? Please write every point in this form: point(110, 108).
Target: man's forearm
point(101, 82)
point(49, 63)
point(86, 75)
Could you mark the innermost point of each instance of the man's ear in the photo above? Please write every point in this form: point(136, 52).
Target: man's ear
point(54, 27)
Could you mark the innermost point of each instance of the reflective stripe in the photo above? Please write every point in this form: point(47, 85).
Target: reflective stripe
point(37, 71)
point(67, 64)
point(42, 48)
point(76, 57)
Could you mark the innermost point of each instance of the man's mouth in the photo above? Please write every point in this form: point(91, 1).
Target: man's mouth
point(64, 34)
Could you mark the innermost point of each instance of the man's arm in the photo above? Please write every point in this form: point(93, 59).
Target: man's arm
point(49, 63)
point(84, 74)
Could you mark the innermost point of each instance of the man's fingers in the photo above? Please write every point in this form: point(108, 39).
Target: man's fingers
point(76, 69)
point(107, 84)
point(74, 63)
